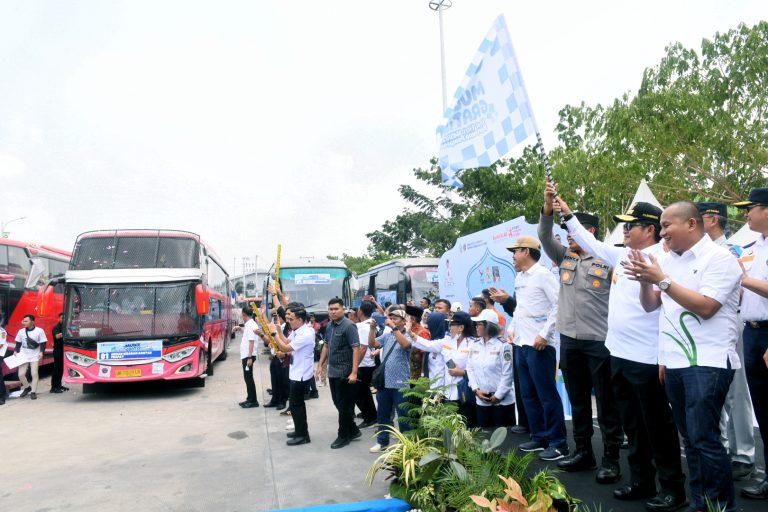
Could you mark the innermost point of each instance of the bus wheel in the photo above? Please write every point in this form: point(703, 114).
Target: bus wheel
point(209, 369)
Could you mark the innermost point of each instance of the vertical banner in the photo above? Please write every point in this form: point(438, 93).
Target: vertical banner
point(491, 113)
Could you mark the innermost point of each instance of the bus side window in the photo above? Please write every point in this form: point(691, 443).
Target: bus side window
point(18, 265)
point(3, 259)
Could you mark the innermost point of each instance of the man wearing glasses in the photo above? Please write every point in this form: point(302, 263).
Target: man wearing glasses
point(736, 430)
point(633, 342)
point(582, 320)
point(754, 312)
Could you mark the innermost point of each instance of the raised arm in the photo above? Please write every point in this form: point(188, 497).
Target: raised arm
point(587, 240)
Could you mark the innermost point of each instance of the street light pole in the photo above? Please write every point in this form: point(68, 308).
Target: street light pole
point(4, 224)
point(440, 6)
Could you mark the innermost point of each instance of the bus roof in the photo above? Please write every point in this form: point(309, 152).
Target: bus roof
point(312, 263)
point(132, 275)
point(138, 232)
point(405, 262)
point(36, 249)
point(171, 233)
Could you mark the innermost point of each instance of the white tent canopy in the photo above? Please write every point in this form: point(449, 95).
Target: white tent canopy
point(643, 194)
point(743, 236)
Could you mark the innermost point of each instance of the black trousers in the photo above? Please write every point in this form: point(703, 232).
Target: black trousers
point(281, 384)
point(522, 417)
point(58, 364)
point(344, 395)
point(299, 408)
point(250, 385)
point(586, 364)
point(755, 346)
point(490, 416)
point(649, 425)
point(364, 400)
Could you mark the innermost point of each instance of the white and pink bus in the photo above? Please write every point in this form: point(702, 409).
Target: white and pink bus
point(144, 305)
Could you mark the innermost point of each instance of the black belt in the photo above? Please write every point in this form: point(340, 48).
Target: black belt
point(762, 324)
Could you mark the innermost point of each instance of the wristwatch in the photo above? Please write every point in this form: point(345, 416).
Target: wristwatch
point(664, 284)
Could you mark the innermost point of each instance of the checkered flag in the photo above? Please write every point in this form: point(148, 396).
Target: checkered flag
point(491, 112)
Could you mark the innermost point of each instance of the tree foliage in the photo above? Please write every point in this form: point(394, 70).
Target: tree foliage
point(696, 129)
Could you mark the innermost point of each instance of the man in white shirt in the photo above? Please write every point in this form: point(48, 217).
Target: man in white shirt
point(736, 430)
point(300, 344)
point(754, 312)
point(248, 356)
point(30, 347)
point(365, 369)
point(696, 285)
point(633, 340)
point(533, 330)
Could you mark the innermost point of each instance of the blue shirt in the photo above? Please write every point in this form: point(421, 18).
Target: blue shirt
point(397, 370)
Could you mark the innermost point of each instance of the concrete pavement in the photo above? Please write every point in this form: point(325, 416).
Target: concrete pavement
point(160, 448)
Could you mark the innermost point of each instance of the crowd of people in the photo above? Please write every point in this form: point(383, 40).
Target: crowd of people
point(669, 331)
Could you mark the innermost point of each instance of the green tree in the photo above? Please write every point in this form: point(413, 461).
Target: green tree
point(696, 129)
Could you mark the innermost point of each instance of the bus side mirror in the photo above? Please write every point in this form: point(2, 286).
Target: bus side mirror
point(35, 273)
point(202, 298)
point(45, 300)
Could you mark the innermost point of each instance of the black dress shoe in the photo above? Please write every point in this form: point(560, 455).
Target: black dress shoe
point(313, 394)
point(519, 429)
point(366, 424)
point(292, 434)
point(25, 392)
point(297, 440)
point(280, 406)
point(666, 502)
point(270, 404)
point(64, 388)
point(249, 405)
point(57, 390)
point(634, 491)
point(756, 492)
point(580, 461)
point(356, 435)
point(609, 472)
point(340, 442)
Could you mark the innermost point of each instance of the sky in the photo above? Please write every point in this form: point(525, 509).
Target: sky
point(291, 122)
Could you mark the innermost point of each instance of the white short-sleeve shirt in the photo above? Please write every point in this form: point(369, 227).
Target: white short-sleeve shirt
point(248, 336)
point(686, 339)
point(363, 329)
point(302, 340)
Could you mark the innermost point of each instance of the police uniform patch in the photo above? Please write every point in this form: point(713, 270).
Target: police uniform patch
point(566, 276)
point(507, 356)
point(596, 283)
point(598, 272)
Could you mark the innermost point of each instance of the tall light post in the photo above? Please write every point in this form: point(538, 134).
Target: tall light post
point(440, 6)
point(4, 224)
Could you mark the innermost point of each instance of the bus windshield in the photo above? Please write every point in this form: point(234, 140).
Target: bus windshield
point(105, 252)
point(131, 311)
point(423, 282)
point(313, 287)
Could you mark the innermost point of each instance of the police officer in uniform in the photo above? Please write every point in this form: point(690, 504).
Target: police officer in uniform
point(582, 320)
point(754, 312)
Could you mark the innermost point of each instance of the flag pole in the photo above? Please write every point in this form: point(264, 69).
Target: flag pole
point(542, 151)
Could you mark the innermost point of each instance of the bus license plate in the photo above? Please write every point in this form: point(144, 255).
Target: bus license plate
point(128, 373)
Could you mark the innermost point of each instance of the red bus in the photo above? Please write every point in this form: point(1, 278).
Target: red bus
point(144, 305)
point(19, 297)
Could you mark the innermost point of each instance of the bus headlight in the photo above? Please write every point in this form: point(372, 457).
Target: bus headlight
point(178, 355)
point(80, 359)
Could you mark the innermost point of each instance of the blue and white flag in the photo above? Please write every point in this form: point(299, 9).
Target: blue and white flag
point(491, 112)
